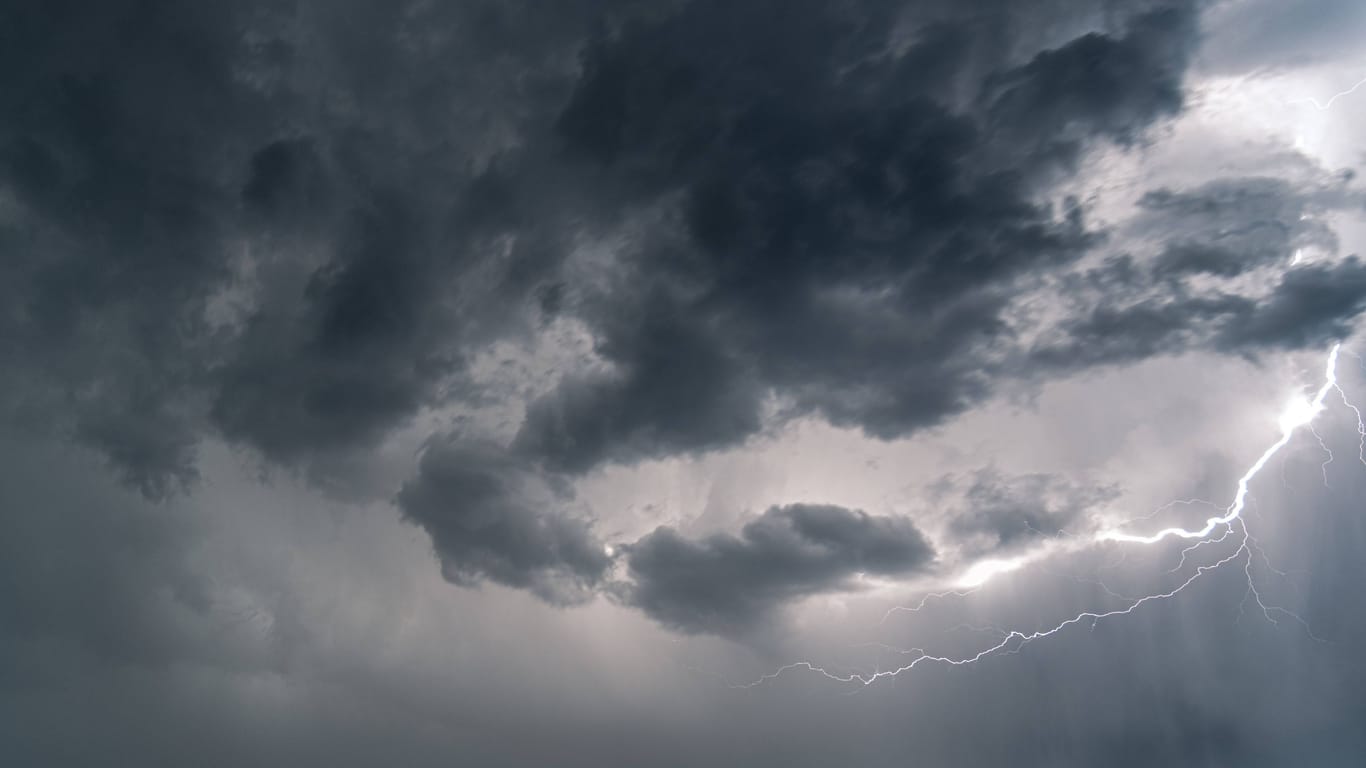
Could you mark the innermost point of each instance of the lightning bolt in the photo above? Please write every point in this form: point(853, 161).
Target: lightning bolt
point(1013, 641)
point(1299, 415)
point(1361, 425)
point(926, 599)
point(1325, 106)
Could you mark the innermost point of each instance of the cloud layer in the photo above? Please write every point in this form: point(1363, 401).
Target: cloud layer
point(479, 267)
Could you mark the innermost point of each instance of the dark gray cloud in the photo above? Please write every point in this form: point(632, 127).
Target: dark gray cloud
point(831, 209)
point(726, 583)
point(115, 237)
point(492, 517)
point(1232, 226)
point(1311, 305)
point(353, 356)
point(264, 222)
point(673, 389)
point(840, 233)
point(1240, 269)
point(846, 238)
point(1097, 85)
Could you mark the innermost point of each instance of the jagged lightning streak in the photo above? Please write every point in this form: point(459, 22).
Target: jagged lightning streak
point(926, 599)
point(1327, 105)
point(1361, 425)
point(1012, 642)
point(1299, 414)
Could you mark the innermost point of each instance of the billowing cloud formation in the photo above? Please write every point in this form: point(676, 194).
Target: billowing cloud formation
point(1226, 275)
point(725, 583)
point(491, 518)
point(842, 230)
point(1233, 226)
point(1307, 306)
point(493, 268)
point(757, 212)
point(831, 205)
point(203, 243)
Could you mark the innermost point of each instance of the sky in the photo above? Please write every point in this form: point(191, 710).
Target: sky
point(682, 382)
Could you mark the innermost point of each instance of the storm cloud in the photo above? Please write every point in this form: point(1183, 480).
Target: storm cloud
point(726, 583)
point(423, 382)
point(844, 237)
point(831, 210)
point(490, 518)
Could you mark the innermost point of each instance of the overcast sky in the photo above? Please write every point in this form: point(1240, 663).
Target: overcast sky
point(681, 382)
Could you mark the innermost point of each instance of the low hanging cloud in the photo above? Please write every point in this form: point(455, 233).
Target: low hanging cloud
point(496, 518)
point(1240, 265)
point(1306, 307)
point(1233, 226)
point(491, 517)
point(724, 583)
